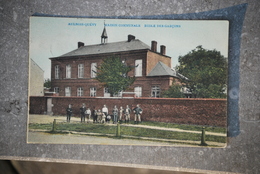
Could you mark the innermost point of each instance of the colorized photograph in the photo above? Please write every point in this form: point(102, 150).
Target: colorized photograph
point(128, 82)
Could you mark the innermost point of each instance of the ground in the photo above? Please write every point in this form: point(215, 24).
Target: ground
point(40, 136)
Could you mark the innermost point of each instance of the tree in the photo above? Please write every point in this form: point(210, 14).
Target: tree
point(206, 71)
point(113, 74)
point(47, 83)
point(174, 91)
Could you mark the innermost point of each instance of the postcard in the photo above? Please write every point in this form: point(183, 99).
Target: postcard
point(128, 82)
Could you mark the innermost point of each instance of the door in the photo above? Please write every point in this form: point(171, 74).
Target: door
point(49, 106)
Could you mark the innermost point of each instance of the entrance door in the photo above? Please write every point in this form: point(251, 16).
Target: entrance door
point(49, 106)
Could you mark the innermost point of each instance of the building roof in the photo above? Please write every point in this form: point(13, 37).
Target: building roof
point(108, 48)
point(161, 69)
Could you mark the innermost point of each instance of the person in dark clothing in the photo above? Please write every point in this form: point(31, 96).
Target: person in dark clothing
point(115, 114)
point(94, 115)
point(82, 112)
point(138, 111)
point(69, 113)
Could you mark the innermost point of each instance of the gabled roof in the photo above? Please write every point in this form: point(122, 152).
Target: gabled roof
point(108, 48)
point(161, 69)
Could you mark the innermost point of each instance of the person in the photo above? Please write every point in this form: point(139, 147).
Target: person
point(127, 114)
point(88, 114)
point(115, 114)
point(108, 118)
point(105, 111)
point(104, 118)
point(138, 111)
point(99, 116)
point(94, 115)
point(82, 112)
point(69, 113)
point(121, 111)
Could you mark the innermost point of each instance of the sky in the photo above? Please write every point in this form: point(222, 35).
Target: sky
point(55, 36)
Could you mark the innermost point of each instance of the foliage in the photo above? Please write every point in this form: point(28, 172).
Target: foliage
point(174, 92)
point(113, 74)
point(47, 83)
point(206, 71)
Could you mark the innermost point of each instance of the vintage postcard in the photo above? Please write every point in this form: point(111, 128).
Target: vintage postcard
point(128, 82)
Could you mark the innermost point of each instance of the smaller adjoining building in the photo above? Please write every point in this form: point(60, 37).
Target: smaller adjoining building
point(73, 74)
point(36, 79)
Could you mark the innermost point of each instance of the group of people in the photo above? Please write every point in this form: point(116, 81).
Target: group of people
point(102, 115)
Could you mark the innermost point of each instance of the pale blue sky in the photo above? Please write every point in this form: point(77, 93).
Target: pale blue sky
point(52, 36)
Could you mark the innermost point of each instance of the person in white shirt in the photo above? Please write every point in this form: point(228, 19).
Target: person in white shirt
point(105, 111)
point(88, 114)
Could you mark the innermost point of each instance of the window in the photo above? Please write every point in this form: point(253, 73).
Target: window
point(56, 90)
point(68, 71)
point(80, 70)
point(155, 91)
point(93, 92)
point(57, 72)
point(68, 91)
point(138, 91)
point(106, 93)
point(80, 91)
point(138, 67)
point(93, 70)
point(119, 94)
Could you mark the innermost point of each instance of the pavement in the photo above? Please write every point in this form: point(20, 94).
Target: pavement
point(38, 136)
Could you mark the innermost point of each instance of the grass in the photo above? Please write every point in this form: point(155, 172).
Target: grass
point(186, 127)
point(104, 129)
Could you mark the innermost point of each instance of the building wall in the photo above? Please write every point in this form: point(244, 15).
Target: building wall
point(87, 82)
point(38, 105)
point(154, 58)
point(36, 80)
point(210, 112)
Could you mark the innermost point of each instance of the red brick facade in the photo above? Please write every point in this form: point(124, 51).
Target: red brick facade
point(211, 112)
point(149, 60)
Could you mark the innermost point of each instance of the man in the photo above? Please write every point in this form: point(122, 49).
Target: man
point(82, 112)
point(127, 114)
point(94, 115)
point(69, 113)
point(115, 114)
point(138, 111)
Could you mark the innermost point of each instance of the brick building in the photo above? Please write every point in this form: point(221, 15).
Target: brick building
point(72, 74)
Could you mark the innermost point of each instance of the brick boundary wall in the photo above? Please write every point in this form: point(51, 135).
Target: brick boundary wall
point(38, 105)
point(196, 111)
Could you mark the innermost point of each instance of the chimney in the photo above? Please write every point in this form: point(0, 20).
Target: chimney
point(163, 50)
point(130, 38)
point(80, 44)
point(154, 46)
